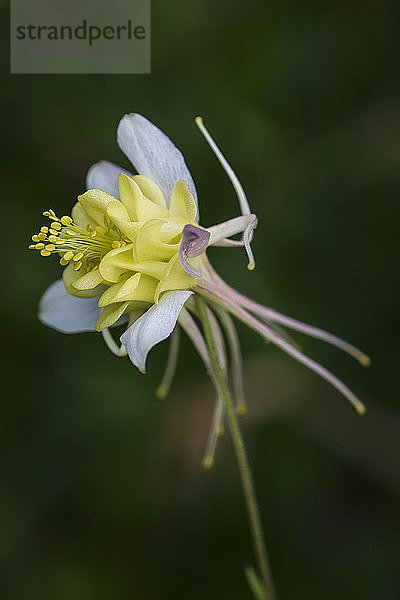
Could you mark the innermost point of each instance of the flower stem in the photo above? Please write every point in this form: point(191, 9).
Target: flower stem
point(242, 458)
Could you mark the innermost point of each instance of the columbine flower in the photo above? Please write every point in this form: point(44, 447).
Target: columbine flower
point(134, 254)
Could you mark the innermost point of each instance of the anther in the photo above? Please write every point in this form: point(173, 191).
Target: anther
point(35, 238)
point(41, 236)
point(32, 247)
point(44, 229)
point(50, 247)
point(39, 246)
point(77, 266)
point(45, 253)
point(78, 257)
point(57, 226)
point(63, 262)
point(115, 245)
point(65, 220)
point(68, 255)
point(53, 239)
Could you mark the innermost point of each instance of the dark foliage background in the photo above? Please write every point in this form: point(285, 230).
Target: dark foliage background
point(101, 490)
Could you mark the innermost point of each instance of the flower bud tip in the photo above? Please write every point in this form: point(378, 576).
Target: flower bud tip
point(198, 121)
point(251, 266)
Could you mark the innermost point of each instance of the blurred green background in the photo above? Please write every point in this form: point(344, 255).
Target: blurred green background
point(101, 490)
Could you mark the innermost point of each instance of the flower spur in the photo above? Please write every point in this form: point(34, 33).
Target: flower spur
point(134, 255)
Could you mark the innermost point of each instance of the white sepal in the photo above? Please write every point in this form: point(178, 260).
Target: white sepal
point(155, 325)
point(66, 313)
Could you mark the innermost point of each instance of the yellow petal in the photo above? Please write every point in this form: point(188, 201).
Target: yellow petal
point(110, 315)
point(150, 189)
point(70, 277)
point(136, 288)
point(88, 281)
point(138, 206)
point(95, 203)
point(153, 268)
point(171, 230)
point(80, 216)
point(116, 262)
point(149, 244)
point(120, 217)
point(118, 292)
point(176, 278)
point(182, 204)
point(145, 290)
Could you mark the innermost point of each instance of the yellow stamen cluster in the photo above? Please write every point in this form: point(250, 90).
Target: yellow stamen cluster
point(74, 243)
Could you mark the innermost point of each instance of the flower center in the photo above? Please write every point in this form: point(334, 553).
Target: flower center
point(75, 243)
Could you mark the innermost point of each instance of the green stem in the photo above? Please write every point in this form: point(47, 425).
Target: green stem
point(241, 455)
